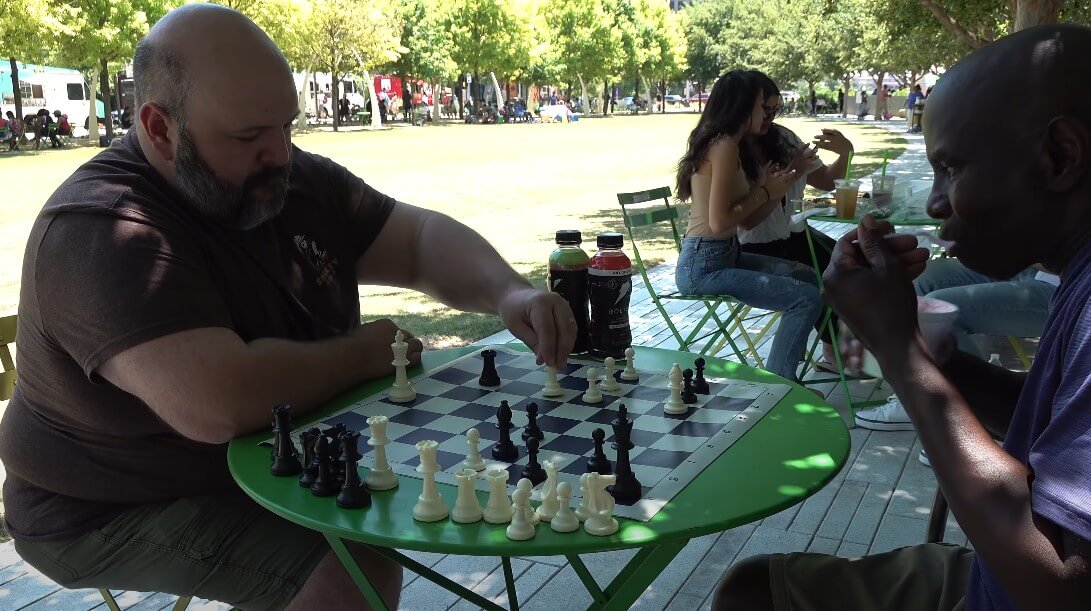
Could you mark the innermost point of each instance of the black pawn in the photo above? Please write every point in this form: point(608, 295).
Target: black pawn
point(688, 396)
point(333, 435)
point(309, 439)
point(489, 377)
point(285, 457)
point(533, 471)
point(627, 490)
point(622, 427)
point(354, 493)
point(700, 385)
point(532, 430)
point(504, 449)
point(599, 463)
point(325, 484)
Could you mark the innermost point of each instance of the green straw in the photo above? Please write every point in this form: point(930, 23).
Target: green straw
point(885, 153)
point(848, 166)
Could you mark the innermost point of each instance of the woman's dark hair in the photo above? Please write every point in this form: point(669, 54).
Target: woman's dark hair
point(729, 108)
point(773, 144)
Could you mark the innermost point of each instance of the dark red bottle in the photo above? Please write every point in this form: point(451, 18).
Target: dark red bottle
point(610, 284)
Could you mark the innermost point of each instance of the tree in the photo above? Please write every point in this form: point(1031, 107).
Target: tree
point(28, 29)
point(427, 46)
point(979, 22)
point(488, 36)
point(584, 43)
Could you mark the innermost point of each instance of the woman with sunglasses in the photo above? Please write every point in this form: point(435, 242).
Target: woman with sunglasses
point(770, 230)
point(726, 187)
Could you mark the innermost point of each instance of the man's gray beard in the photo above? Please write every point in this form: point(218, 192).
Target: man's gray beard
point(222, 202)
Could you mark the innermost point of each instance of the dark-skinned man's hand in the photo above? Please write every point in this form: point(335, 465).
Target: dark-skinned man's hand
point(869, 284)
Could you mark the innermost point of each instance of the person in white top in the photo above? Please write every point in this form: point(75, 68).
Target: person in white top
point(770, 230)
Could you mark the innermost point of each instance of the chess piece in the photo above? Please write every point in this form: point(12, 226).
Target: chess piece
point(334, 434)
point(380, 476)
point(688, 396)
point(627, 489)
point(467, 508)
point(354, 493)
point(401, 391)
point(497, 508)
point(533, 471)
point(622, 427)
point(430, 505)
point(599, 463)
point(552, 387)
point(609, 382)
point(565, 521)
point(674, 404)
point(325, 484)
point(700, 385)
point(285, 457)
point(473, 456)
point(504, 449)
point(583, 511)
point(532, 516)
point(308, 440)
point(520, 528)
point(550, 503)
point(489, 377)
point(592, 395)
point(601, 522)
point(532, 429)
point(630, 374)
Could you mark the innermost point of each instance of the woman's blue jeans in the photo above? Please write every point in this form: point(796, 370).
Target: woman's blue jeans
point(715, 266)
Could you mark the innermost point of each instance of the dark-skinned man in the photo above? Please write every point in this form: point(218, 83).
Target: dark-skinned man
point(1010, 195)
point(179, 285)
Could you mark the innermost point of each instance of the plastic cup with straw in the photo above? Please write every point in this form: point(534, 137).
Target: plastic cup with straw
point(846, 192)
point(882, 190)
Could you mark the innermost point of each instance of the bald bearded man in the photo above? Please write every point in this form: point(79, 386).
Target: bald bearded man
point(179, 285)
point(1011, 194)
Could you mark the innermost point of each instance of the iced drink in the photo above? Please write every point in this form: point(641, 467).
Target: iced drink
point(882, 194)
point(845, 196)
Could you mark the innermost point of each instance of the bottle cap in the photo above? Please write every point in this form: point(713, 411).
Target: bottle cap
point(610, 239)
point(569, 236)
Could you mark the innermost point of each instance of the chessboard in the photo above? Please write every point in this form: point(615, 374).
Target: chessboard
point(669, 451)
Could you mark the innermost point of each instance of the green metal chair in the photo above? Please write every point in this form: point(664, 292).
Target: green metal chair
point(711, 338)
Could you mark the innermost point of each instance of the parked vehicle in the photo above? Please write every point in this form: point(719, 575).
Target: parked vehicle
point(698, 97)
point(674, 98)
point(49, 88)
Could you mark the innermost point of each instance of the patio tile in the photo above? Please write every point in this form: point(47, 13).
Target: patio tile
point(720, 556)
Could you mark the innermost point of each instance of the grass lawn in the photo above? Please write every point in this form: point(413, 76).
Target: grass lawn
point(515, 184)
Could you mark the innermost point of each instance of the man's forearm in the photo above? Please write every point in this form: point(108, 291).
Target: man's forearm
point(987, 489)
point(991, 392)
point(457, 266)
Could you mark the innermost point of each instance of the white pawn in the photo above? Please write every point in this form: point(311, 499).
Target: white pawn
point(550, 504)
point(552, 387)
point(497, 508)
point(430, 505)
point(380, 476)
point(520, 528)
point(473, 455)
point(602, 522)
point(467, 509)
point(583, 511)
point(592, 395)
point(532, 516)
point(609, 382)
point(401, 391)
point(565, 521)
point(674, 404)
point(630, 374)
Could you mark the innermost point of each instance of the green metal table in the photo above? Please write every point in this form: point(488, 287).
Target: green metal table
point(790, 454)
point(909, 212)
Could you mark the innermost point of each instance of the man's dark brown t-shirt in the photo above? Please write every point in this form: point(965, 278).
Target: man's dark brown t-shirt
point(114, 260)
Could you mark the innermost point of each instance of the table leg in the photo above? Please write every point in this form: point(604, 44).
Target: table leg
point(846, 414)
point(587, 578)
point(509, 582)
point(631, 582)
point(358, 576)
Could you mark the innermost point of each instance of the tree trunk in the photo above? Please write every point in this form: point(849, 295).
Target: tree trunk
point(107, 103)
point(700, 90)
point(376, 116)
point(335, 103)
point(437, 104)
point(662, 97)
point(15, 88)
point(973, 39)
point(92, 117)
point(606, 97)
point(1029, 13)
point(301, 120)
point(585, 103)
point(844, 110)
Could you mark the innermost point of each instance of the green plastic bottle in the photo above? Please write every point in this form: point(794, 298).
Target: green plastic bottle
point(568, 278)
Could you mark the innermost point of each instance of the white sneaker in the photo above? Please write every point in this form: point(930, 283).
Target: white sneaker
point(923, 457)
point(889, 416)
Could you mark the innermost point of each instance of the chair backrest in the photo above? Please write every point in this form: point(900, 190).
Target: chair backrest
point(638, 215)
point(7, 337)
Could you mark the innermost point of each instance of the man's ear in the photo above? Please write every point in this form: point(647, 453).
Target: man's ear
point(1067, 146)
point(160, 128)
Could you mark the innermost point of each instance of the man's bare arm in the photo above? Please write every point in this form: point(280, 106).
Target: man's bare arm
point(211, 386)
point(991, 392)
